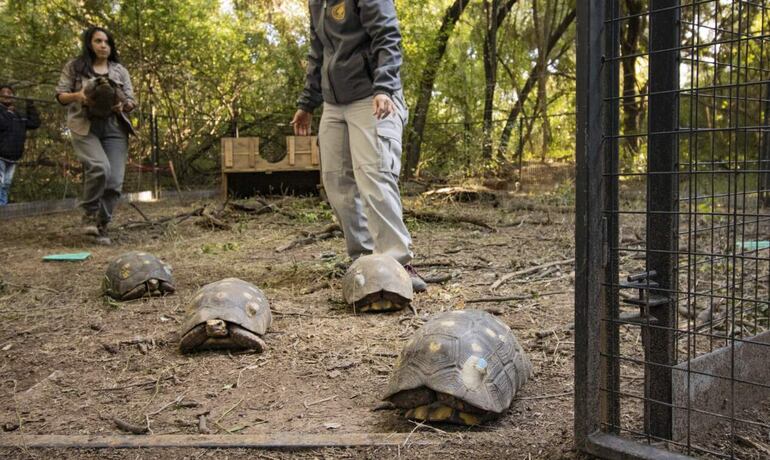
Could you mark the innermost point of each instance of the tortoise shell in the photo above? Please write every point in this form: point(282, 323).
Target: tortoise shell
point(131, 270)
point(374, 276)
point(102, 94)
point(233, 301)
point(468, 355)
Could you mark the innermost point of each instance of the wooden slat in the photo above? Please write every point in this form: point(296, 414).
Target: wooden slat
point(260, 441)
point(314, 154)
point(227, 152)
point(253, 152)
point(291, 145)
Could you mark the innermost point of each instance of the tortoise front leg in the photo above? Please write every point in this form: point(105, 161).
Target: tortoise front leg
point(135, 293)
point(246, 339)
point(167, 288)
point(193, 339)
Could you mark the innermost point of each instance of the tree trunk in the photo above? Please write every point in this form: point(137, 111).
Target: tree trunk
point(495, 14)
point(629, 46)
point(414, 133)
point(534, 73)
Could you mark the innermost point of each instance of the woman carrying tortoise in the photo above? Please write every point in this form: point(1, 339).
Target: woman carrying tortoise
point(100, 140)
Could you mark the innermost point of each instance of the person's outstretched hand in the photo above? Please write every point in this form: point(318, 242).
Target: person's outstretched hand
point(301, 123)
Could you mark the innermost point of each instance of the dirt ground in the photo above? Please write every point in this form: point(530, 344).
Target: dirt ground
point(72, 360)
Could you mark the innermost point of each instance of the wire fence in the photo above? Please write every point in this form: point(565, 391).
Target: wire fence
point(676, 292)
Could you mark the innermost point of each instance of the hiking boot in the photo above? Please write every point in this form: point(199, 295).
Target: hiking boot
point(88, 225)
point(103, 238)
point(418, 284)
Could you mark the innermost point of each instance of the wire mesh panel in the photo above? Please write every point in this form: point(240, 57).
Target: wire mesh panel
point(673, 228)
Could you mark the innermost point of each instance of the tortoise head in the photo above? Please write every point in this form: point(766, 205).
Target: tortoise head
point(152, 285)
point(216, 328)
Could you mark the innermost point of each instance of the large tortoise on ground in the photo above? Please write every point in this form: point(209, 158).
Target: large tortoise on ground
point(135, 274)
point(230, 313)
point(462, 367)
point(377, 282)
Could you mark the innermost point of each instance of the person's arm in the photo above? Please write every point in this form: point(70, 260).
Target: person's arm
point(379, 20)
point(128, 91)
point(65, 89)
point(311, 96)
point(33, 118)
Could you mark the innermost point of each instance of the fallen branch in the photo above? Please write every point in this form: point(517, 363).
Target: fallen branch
point(202, 427)
point(308, 404)
point(214, 221)
point(178, 218)
point(327, 232)
point(527, 271)
point(130, 427)
point(557, 395)
point(437, 217)
point(144, 216)
point(141, 384)
point(515, 297)
point(437, 279)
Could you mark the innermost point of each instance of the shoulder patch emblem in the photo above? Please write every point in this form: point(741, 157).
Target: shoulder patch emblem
point(338, 12)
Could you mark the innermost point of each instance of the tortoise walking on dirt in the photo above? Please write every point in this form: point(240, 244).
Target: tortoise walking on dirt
point(230, 313)
point(377, 282)
point(135, 274)
point(462, 367)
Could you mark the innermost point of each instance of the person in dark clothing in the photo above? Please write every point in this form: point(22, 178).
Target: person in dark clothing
point(353, 71)
point(13, 134)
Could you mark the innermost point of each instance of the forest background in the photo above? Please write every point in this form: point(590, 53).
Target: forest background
point(489, 83)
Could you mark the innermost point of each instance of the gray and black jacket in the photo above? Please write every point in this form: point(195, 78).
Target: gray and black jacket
point(13, 131)
point(355, 52)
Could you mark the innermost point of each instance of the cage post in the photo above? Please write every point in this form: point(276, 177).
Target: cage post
point(590, 402)
point(764, 164)
point(662, 219)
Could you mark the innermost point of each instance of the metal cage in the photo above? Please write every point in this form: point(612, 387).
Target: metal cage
point(672, 288)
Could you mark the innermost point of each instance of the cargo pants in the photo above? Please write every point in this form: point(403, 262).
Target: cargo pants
point(360, 165)
point(103, 152)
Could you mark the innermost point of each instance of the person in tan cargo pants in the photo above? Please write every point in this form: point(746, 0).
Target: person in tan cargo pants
point(354, 71)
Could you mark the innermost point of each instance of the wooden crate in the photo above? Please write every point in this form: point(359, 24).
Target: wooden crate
point(241, 155)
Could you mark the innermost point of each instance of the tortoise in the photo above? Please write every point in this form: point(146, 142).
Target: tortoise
point(102, 94)
point(230, 313)
point(377, 282)
point(135, 274)
point(462, 367)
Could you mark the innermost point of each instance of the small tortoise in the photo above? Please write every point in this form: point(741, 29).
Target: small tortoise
point(230, 313)
point(377, 282)
point(462, 367)
point(102, 94)
point(136, 274)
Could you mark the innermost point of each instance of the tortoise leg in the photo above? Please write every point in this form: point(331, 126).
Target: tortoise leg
point(135, 293)
point(246, 339)
point(167, 288)
point(152, 286)
point(193, 339)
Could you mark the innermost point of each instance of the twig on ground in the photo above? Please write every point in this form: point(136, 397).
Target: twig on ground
point(527, 271)
point(327, 232)
point(29, 286)
point(438, 217)
point(130, 427)
point(308, 404)
point(557, 395)
point(228, 411)
point(141, 213)
point(515, 297)
point(202, 427)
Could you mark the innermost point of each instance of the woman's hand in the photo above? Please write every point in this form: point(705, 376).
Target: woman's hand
point(301, 123)
point(382, 106)
point(80, 96)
